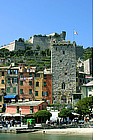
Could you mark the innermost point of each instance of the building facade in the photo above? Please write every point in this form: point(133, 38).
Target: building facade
point(38, 84)
point(25, 107)
point(11, 84)
point(87, 89)
point(47, 87)
point(3, 73)
point(26, 82)
point(63, 65)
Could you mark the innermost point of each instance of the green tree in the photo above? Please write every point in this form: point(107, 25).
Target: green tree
point(4, 52)
point(84, 106)
point(64, 113)
point(88, 53)
point(42, 115)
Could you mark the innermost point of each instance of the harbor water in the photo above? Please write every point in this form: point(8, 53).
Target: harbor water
point(30, 136)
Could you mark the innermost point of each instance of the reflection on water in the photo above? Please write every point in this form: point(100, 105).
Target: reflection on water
point(29, 136)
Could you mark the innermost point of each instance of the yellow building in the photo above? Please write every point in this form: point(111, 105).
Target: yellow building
point(3, 73)
point(38, 84)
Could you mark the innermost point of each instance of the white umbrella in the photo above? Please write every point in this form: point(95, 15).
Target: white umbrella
point(18, 115)
point(7, 115)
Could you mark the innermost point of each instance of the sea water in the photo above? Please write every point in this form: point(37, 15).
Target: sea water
point(30, 136)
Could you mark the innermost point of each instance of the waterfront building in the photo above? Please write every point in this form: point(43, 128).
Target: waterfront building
point(38, 85)
point(26, 108)
point(3, 73)
point(47, 86)
point(11, 84)
point(26, 82)
point(63, 66)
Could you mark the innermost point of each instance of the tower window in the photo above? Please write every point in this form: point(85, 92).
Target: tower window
point(63, 52)
point(63, 85)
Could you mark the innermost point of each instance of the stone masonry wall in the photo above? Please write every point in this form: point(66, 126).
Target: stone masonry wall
point(63, 72)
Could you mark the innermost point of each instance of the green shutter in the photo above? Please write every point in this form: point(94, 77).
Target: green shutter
point(8, 89)
point(14, 89)
point(36, 93)
point(21, 91)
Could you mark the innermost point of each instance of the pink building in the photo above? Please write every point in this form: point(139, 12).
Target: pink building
point(26, 108)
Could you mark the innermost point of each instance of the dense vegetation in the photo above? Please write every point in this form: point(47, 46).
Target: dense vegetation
point(42, 115)
point(38, 58)
point(88, 53)
point(84, 107)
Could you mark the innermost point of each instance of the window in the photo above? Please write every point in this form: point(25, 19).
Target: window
point(45, 76)
point(37, 75)
point(21, 75)
point(15, 72)
point(63, 52)
point(90, 88)
point(9, 81)
point(2, 73)
point(2, 81)
point(30, 83)
point(44, 93)
point(2, 90)
point(8, 71)
point(14, 89)
point(30, 91)
point(31, 109)
point(17, 109)
point(36, 93)
point(63, 85)
point(37, 84)
point(21, 91)
point(30, 74)
point(21, 83)
point(45, 84)
point(14, 80)
point(8, 89)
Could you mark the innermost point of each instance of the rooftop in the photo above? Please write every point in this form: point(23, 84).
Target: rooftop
point(30, 103)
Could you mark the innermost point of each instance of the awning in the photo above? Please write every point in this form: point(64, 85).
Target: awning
point(18, 115)
point(7, 115)
point(10, 96)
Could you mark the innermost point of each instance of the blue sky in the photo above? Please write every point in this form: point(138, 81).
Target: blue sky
point(24, 18)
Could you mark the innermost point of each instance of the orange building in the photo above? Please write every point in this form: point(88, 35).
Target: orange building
point(47, 87)
point(26, 83)
point(26, 107)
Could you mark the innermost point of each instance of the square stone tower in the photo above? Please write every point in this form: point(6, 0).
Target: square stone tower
point(63, 66)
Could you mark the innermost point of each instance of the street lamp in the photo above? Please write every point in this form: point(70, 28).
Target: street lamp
point(20, 116)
